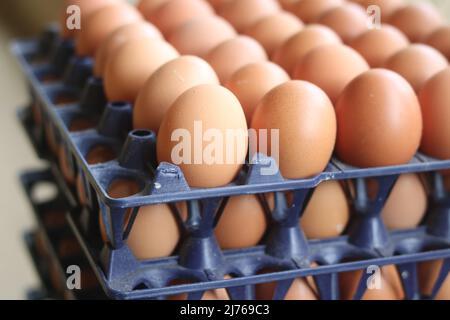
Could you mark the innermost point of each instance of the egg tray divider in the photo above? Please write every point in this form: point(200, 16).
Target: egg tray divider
point(52, 237)
point(200, 257)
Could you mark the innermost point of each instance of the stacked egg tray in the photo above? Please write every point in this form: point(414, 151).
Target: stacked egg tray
point(55, 74)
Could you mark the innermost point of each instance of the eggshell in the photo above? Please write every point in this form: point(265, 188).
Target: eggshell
point(297, 46)
point(294, 108)
point(309, 11)
point(345, 63)
point(378, 45)
point(217, 3)
point(132, 64)
point(148, 8)
point(272, 31)
point(86, 8)
point(387, 7)
point(417, 64)
point(243, 13)
point(231, 55)
point(98, 25)
point(327, 213)
point(349, 21)
point(120, 36)
point(379, 120)
point(165, 85)
point(251, 82)
point(242, 224)
point(175, 13)
point(216, 294)
point(287, 4)
point(217, 110)
point(199, 36)
point(440, 40)
point(406, 205)
point(435, 102)
point(66, 170)
point(299, 290)
point(390, 288)
point(81, 124)
point(428, 274)
point(417, 20)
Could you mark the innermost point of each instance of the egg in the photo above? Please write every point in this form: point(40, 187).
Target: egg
point(231, 55)
point(287, 4)
point(175, 13)
point(97, 26)
point(417, 63)
point(242, 224)
point(86, 8)
point(165, 85)
point(299, 290)
point(298, 45)
point(378, 45)
point(387, 7)
point(379, 120)
point(349, 21)
point(117, 38)
point(251, 82)
point(210, 125)
point(388, 279)
point(309, 11)
point(155, 232)
point(148, 8)
point(428, 274)
point(315, 67)
point(434, 99)
point(217, 3)
point(294, 108)
point(132, 64)
point(447, 183)
point(406, 205)
point(440, 40)
point(199, 36)
point(243, 13)
point(272, 31)
point(417, 20)
point(66, 170)
point(215, 294)
point(327, 213)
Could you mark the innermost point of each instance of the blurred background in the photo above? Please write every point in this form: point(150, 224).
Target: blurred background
point(26, 18)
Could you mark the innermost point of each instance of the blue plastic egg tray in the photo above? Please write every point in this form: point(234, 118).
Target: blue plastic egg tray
point(63, 89)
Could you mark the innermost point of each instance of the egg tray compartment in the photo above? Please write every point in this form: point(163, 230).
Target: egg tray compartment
point(50, 250)
point(167, 183)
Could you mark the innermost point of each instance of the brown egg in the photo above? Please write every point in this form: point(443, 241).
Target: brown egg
point(217, 3)
point(272, 31)
point(231, 55)
point(50, 139)
point(406, 205)
point(387, 7)
point(97, 26)
point(210, 125)
point(440, 40)
point(253, 81)
point(132, 64)
point(243, 13)
point(81, 124)
point(345, 63)
point(86, 8)
point(297, 46)
point(287, 4)
point(378, 45)
point(417, 64)
point(389, 281)
point(242, 224)
point(165, 85)
point(216, 294)
point(199, 36)
point(309, 11)
point(327, 213)
point(294, 108)
point(349, 21)
point(120, 36)
point(416, 20)
point(299, 290)
point(435, 101)
point(379, 120)
point(428, 274)
point(148, 8)
point(66, 170)
point(175, 13)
